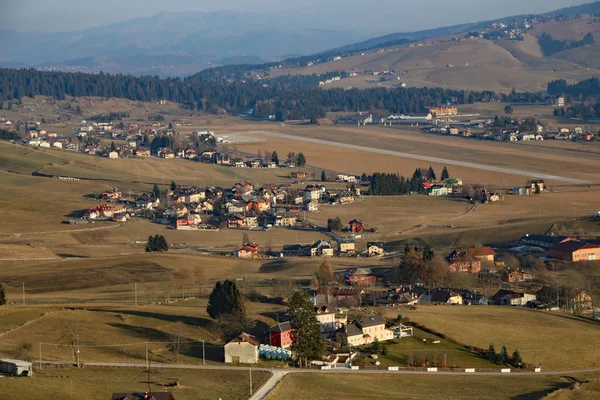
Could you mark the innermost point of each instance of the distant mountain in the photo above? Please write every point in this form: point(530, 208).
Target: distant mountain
point(209, 35)
point(589, 8)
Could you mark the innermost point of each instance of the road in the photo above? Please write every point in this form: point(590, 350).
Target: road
point(529, 174)
point(280, 373)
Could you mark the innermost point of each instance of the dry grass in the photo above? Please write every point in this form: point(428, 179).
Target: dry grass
point(556, 342)
point(100, 383)
point(363, 386)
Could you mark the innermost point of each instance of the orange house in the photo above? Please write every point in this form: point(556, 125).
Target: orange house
point(575, 251)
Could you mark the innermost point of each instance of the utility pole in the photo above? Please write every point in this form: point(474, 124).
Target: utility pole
point(250, 381)
point(40, 355)
point(204, 355)
point(78, 351)
point(135, 292)
point(23, 293)
point(147, 363)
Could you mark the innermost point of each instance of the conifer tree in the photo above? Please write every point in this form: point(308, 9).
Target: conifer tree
point(306, 341)
point(2, 295)
point(445, 174)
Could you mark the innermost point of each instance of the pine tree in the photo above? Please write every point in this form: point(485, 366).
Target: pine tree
point(301, 160)
point(113, 147)
point(516, 359)
point(364, 177)
point(445, 174)
point(492, 356)
point(428, 254)
point(431, 174)
point(275, 158)
point(173, 185)
point(150, 244)
point(306, 342)
point(503, 356)
point(226, 301)
point(156, 191)
point(2, 295)
point(323, 176)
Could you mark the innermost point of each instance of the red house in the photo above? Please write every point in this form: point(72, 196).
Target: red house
point(280, 335)
point(356, 226)
point(360, 277)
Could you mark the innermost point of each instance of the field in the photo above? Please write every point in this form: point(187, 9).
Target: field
point(362, 386)
point(100, 383)
point(528, 160)
point(555, 342)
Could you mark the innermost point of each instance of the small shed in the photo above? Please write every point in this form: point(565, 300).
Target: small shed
point(16, 367)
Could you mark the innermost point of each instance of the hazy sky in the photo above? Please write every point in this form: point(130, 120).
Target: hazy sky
point(378, 16)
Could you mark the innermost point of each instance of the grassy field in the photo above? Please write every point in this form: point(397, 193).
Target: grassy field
point(122, 334)
point(357, 386)
point(529, 159)
point(555, 342)
point(100, 383)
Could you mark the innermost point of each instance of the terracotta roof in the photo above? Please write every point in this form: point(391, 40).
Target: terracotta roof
point(478, 251)
point(244, 337)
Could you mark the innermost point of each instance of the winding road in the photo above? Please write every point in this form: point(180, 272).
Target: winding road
point(492, 168)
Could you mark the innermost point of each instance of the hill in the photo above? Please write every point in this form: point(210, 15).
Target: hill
point(211, 35)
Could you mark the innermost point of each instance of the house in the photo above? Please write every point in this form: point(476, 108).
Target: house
point(298, 175)
point(142, 152)
point(285, 219)
point(573, 250)
point(311, 193)
point(165, 152)
point(494, 197)
point(311, 206)
point(520, 191)
point(346, 245)
point(280, 335)
point(517, 276)
point(326, 319)
point(437, 190)
point(242, 221)
point(473, 298)
point(365, 331)
point(249, 250)
point(579, 300)
point(509, 297)
point(320, 248)
point(356, 226)
point(113, 155)
point(441, 296)
point(532, 184)
point(544, 241)
point(469, 260)
point(143, 396)
point(242, 350)
point(110, 195)
point(443, 111)
point(375, 249)
point(360, 276)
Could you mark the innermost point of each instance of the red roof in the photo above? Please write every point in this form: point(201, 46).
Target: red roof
point(478, 251)
point(573, 245)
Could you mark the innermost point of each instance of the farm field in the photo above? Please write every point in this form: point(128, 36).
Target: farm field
point(100, 383)
point(365, 386)
point(556, 342)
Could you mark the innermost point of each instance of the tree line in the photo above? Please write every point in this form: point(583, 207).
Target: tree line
point(583, 97)
point(285, 100)
point(386, 184)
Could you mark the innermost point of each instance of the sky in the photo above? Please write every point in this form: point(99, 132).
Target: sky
point(374, 16)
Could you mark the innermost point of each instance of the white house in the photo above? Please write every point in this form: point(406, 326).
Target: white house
point(326, 319)
point(242, 350)
point(113, 155)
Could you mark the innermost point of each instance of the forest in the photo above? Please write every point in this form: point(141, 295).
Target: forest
point(550, 45)
point(286, 100)
point(583, 98)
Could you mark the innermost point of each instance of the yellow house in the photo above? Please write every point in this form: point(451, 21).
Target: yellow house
point(365, 331)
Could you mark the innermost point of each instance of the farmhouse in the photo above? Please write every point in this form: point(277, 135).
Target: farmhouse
point(299, 175)
point(443, 111)
point(242, 350)
point(355, 226)
point(280, 335)
point(249, 250)
point(544, 241)
point(539, 183)
point(346, 245)
point(508, 297)
point(441, 296)
point(375, 249)
point(365, 331)
point(575, 251)
point(360, 276)
point(437, 190)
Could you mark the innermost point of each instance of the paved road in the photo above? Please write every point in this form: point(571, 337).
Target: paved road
point(529, 174)
point(279, 373)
